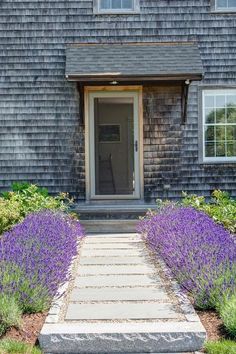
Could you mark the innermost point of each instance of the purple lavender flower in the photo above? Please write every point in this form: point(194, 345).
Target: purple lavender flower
point(35, 257)
point(200, 253)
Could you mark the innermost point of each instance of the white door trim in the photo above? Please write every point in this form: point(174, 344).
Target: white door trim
point(92, 92)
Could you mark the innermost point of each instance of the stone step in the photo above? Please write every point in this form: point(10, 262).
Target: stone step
point(104, 240)
point(103, 211)
point(121, 311)
point(125, 236)
point(113, 260)
point(116, 252)
point(123, 338)
point(115, 280)
point(112, 245)
point(119, 294)
point(110, 226)
point(116, 269)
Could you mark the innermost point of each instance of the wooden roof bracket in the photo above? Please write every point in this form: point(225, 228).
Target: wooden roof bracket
point(184, 101)
point(80, 88)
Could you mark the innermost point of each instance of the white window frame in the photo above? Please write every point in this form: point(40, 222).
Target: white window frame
point(135, 10)
point(220, 159)
point(223, 9)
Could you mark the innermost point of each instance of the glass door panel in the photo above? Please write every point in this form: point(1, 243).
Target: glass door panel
point(114, 145)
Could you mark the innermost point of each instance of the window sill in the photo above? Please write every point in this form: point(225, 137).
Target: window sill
point(116, 13)
point(223, 12)
point(217, 162)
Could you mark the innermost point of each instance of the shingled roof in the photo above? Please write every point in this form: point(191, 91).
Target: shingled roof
point(143, 61)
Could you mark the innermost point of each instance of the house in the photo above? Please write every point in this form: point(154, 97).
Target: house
point(119, 99)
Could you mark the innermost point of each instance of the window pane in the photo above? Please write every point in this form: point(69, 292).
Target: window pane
point(220, 149)
point(220, 101)
point(220, 132)
point(231, 115)
point(222, 3)
point(209, 115)
point(127, 4)
point(220, 115)
point(210, 133)
point(105, 4)
point(232, 3)
point(116, 4)
point(231, 100)
point(210, 150)
point(231, 149)
point(231, 132)
point(209, 101)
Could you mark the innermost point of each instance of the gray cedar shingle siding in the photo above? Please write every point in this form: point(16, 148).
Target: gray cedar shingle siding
point(130, 60)
point(41, 139)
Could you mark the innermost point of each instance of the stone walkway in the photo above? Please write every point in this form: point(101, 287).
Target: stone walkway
point(120, 301)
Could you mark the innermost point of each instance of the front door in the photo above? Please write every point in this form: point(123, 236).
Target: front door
point(113, 130)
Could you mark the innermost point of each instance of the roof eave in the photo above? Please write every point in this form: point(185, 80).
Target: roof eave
point(135, 78)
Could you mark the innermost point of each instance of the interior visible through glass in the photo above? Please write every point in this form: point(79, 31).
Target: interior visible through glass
point(114, 146)
point(116, 4)
point(225, 4)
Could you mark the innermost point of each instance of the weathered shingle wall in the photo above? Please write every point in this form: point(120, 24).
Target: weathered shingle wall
point(40, 136)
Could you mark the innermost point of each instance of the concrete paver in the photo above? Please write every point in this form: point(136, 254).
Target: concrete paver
point(112, 252)
point(119, 294)
point(115, 269)
point(113, 260)
point(120, 245)
point(112, 239)
point(116, 280)
point(119, 311)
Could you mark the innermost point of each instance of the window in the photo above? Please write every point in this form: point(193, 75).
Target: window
point(116, 6)
point(225, 5)
point(219, 125)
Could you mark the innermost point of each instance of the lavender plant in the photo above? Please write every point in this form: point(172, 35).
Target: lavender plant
point(200, 253)
point(35, 257)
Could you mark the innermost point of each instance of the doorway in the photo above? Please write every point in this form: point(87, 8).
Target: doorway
point(113, 144)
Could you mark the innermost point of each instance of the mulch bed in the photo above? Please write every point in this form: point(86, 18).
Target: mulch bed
point(213, 325)
point(30, 329)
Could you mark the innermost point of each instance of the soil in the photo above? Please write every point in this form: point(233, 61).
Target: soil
point(30, 328)
point(213, 325)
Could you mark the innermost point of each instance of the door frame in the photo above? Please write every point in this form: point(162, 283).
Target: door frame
point(89, 93)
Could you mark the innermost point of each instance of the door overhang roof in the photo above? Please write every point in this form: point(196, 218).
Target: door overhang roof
point(137, 62)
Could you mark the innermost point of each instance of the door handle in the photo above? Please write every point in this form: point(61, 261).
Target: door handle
point(136, 145)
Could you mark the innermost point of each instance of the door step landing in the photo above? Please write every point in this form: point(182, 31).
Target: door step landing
point(120, 301)
point(110, 218)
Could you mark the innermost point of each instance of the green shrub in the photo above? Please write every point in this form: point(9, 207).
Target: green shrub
point(222, 208)
point(228, 314)
point(9, 214)
point(10, 313)
point(8, 346)
point(221, 347)
point(26, 198)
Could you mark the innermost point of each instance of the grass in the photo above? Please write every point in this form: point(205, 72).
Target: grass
point(8, 346)
point(221, 347)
